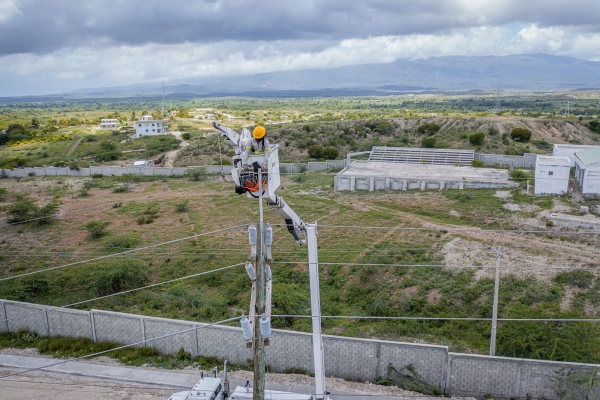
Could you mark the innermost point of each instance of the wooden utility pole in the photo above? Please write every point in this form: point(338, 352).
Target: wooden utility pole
point(259, 309)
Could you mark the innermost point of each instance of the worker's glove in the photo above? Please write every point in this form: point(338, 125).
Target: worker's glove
point(264, 166)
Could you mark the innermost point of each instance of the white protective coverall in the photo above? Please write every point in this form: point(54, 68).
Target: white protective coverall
point(257, 147)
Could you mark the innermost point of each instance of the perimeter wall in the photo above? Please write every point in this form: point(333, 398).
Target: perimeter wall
point(345, 357)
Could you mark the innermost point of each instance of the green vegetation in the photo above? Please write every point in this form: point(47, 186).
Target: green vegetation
point(520, 135)
point(96, 229)
point(63, 347)
point(477, 138)
point(26, 210)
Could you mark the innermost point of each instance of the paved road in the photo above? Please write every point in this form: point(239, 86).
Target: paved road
point(122, 381)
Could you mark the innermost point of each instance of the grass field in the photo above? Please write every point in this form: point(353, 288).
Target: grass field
point(152, 211)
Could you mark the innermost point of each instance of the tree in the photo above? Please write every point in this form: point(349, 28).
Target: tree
point(520, 135)
point(315, 151)
point(429, 129)
point(477, 138)
point(594, 126)
point(25, 210)
point(330, 153)
point(183, 113)
point(107, 145)
point(428, 142)
point(186, 136)
point(35, 123)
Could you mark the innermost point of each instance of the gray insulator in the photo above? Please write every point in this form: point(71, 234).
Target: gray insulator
point(269, 235)
point(250, 271)
point(246, 329)
point(252, 234)
point(269, 273)
point(265, 326)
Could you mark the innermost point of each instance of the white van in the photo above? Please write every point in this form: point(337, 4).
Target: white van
point(204, 389)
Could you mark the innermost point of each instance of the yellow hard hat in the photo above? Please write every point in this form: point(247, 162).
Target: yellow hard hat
point(259, 132)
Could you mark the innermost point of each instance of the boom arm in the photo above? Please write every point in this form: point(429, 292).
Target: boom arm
point(270, 179)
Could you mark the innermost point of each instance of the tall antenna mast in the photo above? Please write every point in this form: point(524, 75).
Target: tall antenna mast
point(498, 91)
point(164, 106)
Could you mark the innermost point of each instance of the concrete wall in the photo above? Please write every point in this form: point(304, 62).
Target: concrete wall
point(525, 161)
point(330, 165)
point(365, 359)
point(353, 183)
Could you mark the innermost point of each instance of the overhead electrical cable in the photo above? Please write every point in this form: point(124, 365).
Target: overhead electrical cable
point(124, 252)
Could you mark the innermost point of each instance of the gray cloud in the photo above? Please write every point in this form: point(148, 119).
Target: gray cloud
point(44, 26)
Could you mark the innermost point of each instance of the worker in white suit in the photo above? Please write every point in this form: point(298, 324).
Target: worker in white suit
point(258, 145)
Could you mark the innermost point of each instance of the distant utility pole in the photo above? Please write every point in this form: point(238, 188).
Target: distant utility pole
point(164, 105)
point(567, 110)
point(497, 109)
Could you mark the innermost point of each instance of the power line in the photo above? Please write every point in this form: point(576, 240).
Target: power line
point(439, 318)
point(391, 228)
point(437, 265)
point(124, 252)
point(195, 328)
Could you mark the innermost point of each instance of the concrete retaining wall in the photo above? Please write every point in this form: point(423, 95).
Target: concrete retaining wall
point(525, 161)
point(331, 165)
point(365, 359)
point(352, 183)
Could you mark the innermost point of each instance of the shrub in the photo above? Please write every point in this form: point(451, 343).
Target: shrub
point(580, 278)
point(197, 174)
point(25, 210)
point(107, 145)
point(477, 163)
point(330, 153)
point(120, 243)
point(74, 166)
point(429, 129)
point(109, 155)
point(315, 151)
point(181, 207)
point(594, 126)
point(186, 136)
point(520, 135)
point(428, 142)
point(477, 138)
point(120, 275)
point(121, 189)
point(3, 194)
point(517, 174)
point(97, 176)
point(96, 229)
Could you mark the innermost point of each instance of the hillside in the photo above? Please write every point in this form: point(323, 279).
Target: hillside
point(361, 135)
point(144, 211)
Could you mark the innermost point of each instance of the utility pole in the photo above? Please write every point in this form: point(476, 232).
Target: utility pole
point(164, 106)
point(261, 278)
point(499, 255)
point(497, 109)
point(315, 306)
point(567, 110)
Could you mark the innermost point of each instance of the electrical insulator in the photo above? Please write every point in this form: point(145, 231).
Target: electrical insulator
point(250, 271)
point(269, 235)
point(252, 234)
point(246, 329)
point(265, 326)
point(269, 273)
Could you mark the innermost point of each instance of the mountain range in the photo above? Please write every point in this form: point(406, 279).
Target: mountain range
point(525, 72)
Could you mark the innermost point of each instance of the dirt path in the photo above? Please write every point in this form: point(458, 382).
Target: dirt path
point(172, 155)
point(72, 149)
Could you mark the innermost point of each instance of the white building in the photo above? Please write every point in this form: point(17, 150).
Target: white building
point(146, 126)
point(109, 124)
point(587, 171)
point(569, 150)
point(552, 175)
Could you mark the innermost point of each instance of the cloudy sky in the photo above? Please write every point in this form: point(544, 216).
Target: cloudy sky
point(54, 46)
